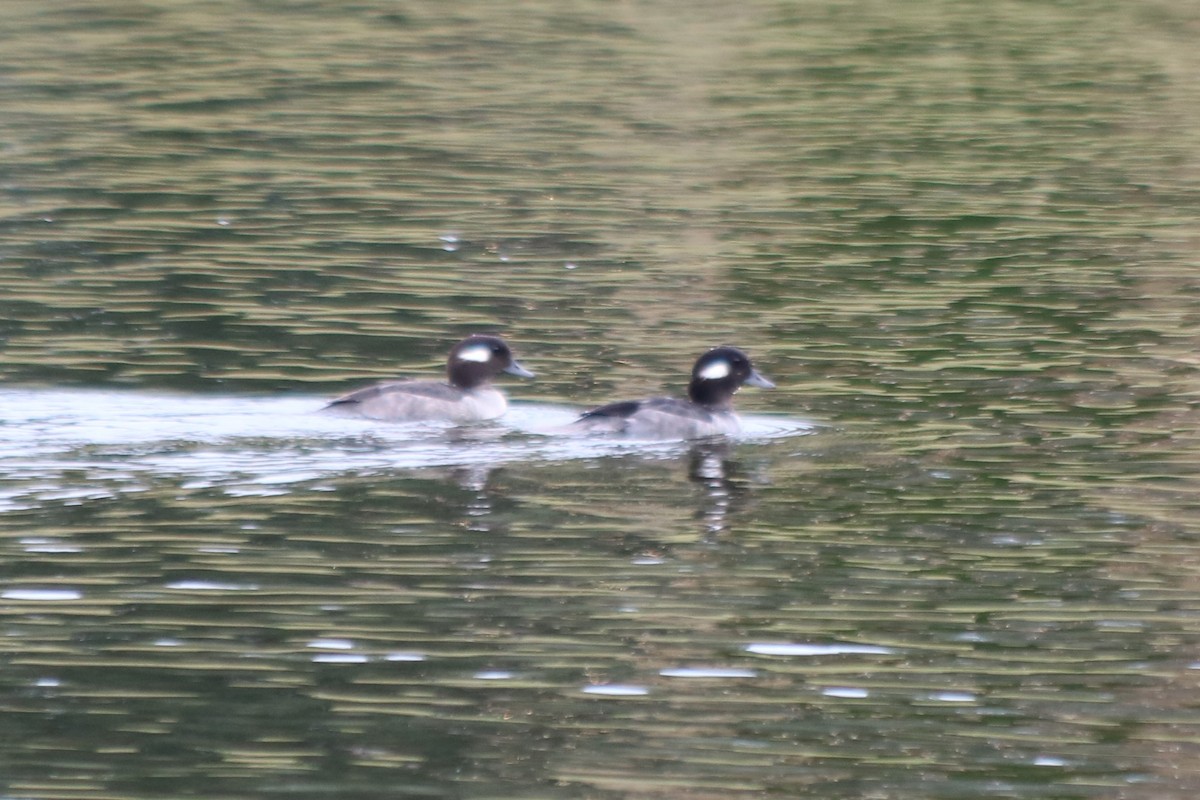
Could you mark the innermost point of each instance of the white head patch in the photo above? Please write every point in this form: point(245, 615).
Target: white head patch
point(476, 352)
point(716, 370)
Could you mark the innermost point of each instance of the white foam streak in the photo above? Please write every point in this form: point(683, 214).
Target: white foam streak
point(70, 446)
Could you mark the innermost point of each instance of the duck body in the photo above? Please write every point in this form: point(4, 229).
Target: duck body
point(422, 401)
point(660, 418)
point(466, 396)
point(707, 411)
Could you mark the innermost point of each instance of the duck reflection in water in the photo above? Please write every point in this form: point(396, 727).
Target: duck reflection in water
point(711, 466)
point(475, 480)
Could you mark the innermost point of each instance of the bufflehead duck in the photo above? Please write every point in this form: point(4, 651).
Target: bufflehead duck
point(468, 396)
point(708, 411)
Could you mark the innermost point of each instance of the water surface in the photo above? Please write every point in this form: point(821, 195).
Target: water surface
point(954, 557)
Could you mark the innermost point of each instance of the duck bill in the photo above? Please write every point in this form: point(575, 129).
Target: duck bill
point(756, 379)
point(516, 369)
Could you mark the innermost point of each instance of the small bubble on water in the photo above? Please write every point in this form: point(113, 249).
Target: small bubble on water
point(616, 690)
point(707, 672)
point(805, 649)
point(211, 586)
point(954, 697)
point(37, 545)
point(331, 644)
point(340, 658)
point(45, 595)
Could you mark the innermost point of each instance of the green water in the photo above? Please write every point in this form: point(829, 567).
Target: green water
point(960, 237)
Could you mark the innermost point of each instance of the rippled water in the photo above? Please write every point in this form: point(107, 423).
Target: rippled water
point(953, 556)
